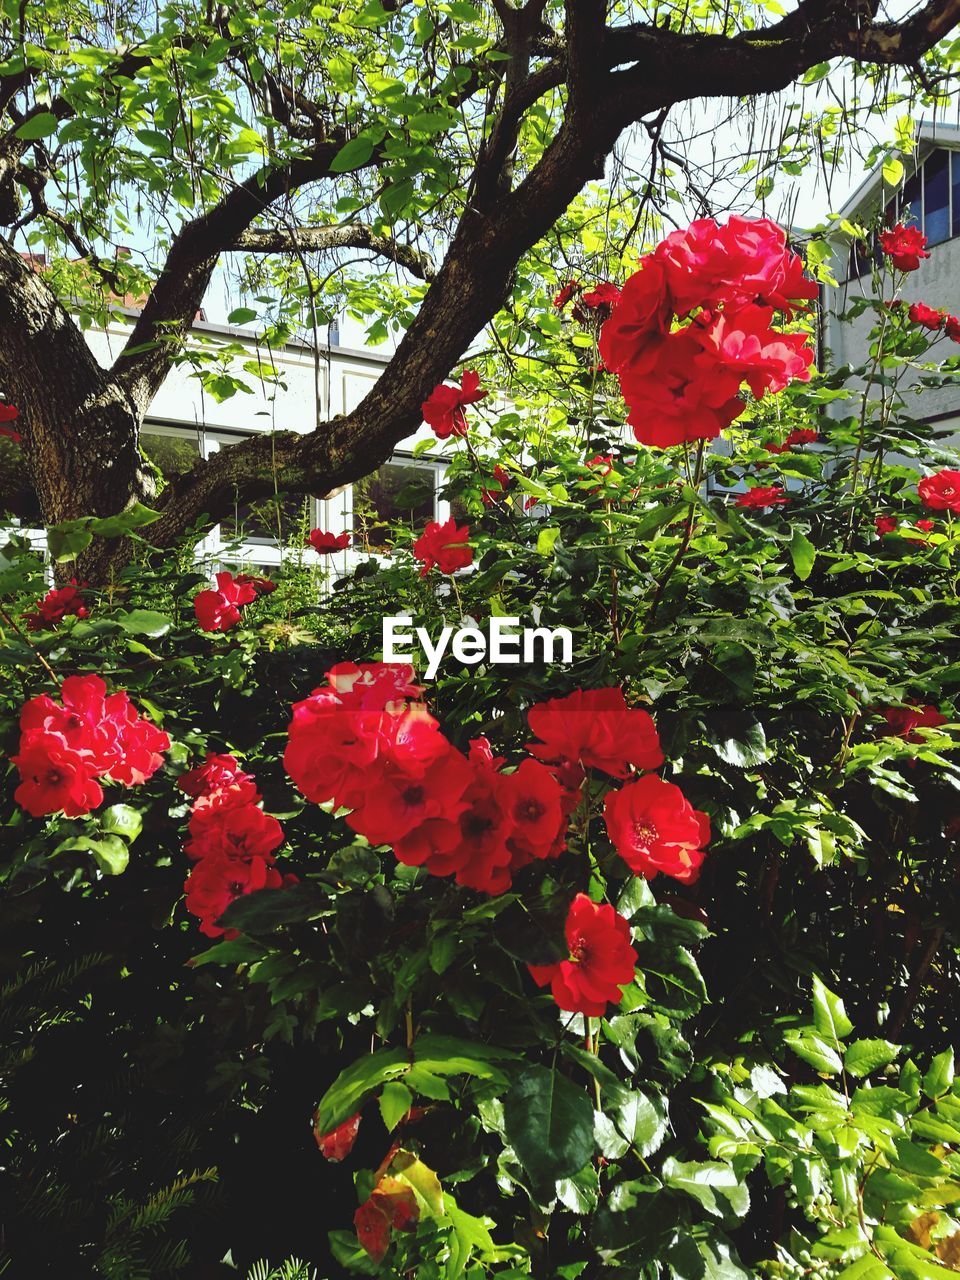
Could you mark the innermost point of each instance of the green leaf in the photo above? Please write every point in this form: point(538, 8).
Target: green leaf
point(893, 171)
point(549, 1123)
point(864, 1056)
point(815, 1050)
point(829, 1016)
point(144, 622)
point(803, 553)
point(65, 541)
point(241, 315)
point(122, 820)
point(715, 1185)
point(128, 521)
point(352, 1086)
point(939, 1077)
point(353, 155)
point(42, 125)
point(746, 750)
point(468, 1235)
point(395, 1101)
point(546, 540)
point(111, 854)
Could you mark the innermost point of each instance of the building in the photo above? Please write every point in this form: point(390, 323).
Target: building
point(185, 423)
point(929, 197)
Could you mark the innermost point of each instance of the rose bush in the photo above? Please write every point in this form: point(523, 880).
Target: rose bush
point(643, 965)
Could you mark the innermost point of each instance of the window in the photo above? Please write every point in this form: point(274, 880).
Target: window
point(172, 454)
point(399, 492)
point(278, 519)
point(936, 197)
point(929, 199)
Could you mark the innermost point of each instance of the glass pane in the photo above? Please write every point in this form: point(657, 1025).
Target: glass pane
point(282, 519)
point(173, 455)
point(397, 493)
point(936, 197)
point(909, 201)
point(955, 162)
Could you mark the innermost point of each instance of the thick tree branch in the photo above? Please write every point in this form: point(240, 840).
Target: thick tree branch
point(351, 235)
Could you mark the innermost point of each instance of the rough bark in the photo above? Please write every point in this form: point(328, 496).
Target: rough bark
point(82, 422)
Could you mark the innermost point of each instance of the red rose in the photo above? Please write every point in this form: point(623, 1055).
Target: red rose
point(925, 526)
point(640, 315)
point(600, 299)
point(927, 317)
point(941, 492)
point(904, 246)
point(743, 342)
point(952, 328)
point(443, 545)
point(326, 544)
point(760, 496)
point(219, 610)
point(596, 729)
point(602, 463)
point(9, 413)
point(771, 446)
point(56, 605)
point(655, 829)
point(395, 801)
point(803, 435)
point(234, 834)
point(54, 777)
point(502, 480)
point(601, 962)
point(338, 1143)
point(886, 524)
point(262, 586)
point(680, 393)
point(138, 745)
point(443, 408)
point(533, 800)
point(215, 882)
point(902, 721)
point(565, 293)
point(219, 782)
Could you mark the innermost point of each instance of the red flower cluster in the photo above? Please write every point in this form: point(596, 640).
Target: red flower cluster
point(903, 721)
point(886, 524)
point(443, 408)
point(444, 546)
point(367, 743)
point(231, 840)
point(904, 246)
point(763, 496)
point(55, 606)
point(941, 492)
point(66, 746)
point(926, 317)
point(325, 544)
point(601, 960)
point(9, 413)
point(219, 610)
point(728, 281)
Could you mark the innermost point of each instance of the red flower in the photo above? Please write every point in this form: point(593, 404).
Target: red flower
point(262, 586)
point(601, 960)
point(803, 435)
point(338, 1143)
point(443, 545)
point(239, 834)
point(326, 544)
point(952, 328)
point(927, 317)
point(680, 392)
point(219, 782)
point(772, 447)
point(219, 610)
point(54, 777)
point(654, 829)
point(886, 524)
point(772, 496)
point(565, 293)
point(395, 801)
point(215, 882)
point(55, 606)
point(534, 802)
point(502, 480)
point(925, 526)
point(602, 463)
point(941, 492)
point(596, 729)
point(904, 246)
point(443, 409)
point(9, 413)
point(744, 343)
point(640, 315)
point(604, 295)
point(902, 721)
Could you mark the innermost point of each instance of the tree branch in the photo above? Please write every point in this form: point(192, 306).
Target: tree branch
point(351, 235)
